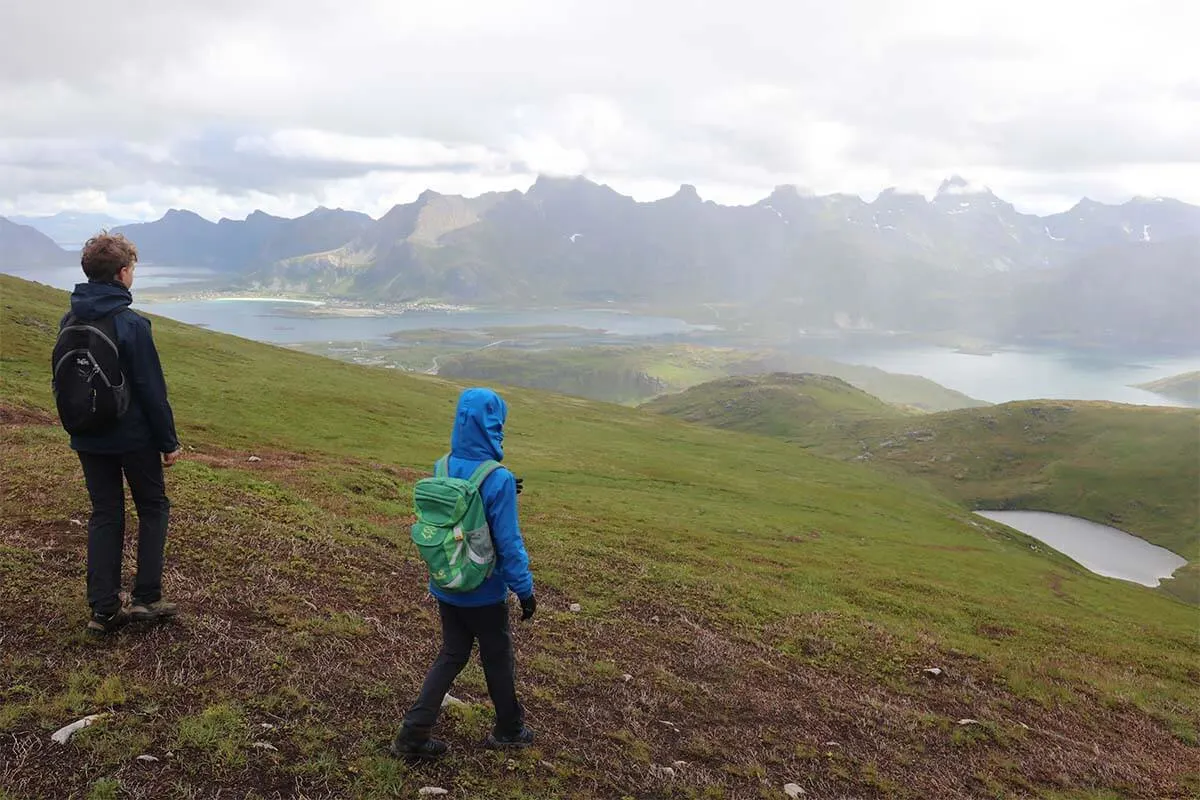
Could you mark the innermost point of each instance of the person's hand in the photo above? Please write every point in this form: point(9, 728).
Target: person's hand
point(528, 606)
point(170, 458)
point(520, 484)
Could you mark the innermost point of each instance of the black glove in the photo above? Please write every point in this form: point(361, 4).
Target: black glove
point(520, 484)
point(528, 606)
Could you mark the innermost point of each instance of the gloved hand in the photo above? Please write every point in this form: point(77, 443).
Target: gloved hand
point(528, 606)
point(520, 484)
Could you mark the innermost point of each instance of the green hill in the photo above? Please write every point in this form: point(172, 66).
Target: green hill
point(637, 373)
point(779, 404)
point(1134, 467)
point(1185, 386)
point(752, 614)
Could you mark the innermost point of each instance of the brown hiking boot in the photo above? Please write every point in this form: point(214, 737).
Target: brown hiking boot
point(152, 612)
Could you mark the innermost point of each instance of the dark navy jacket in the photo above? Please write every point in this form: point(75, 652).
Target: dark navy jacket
point(149, 421)
point(479, 436)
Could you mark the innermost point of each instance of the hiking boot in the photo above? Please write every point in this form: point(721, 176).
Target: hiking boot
point(152, 612)
point(499, 741)
point(403, 747)
point(102, 624)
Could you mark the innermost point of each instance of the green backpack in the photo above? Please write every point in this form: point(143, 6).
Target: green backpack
point(451, 532)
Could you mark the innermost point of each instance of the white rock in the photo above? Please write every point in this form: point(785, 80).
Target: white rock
point(576, 608)
point(147, 759)
point(77, 522)
point(934, 672)
point(627, 677)
point(264, 746)
point(793, 790)
point(968, 721)
point(252, 459)
point(679, 764)
point(63, 734)
point(450, 700)
point(432, 791)
point(266, 726)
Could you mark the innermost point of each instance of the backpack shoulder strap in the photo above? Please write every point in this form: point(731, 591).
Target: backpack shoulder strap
point(442, 468)
point(482, 471)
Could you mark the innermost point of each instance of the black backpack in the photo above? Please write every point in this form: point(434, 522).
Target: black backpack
point(89, 386)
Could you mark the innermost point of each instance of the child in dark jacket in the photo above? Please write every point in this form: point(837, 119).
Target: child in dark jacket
point(483, 612)
point(137, 446)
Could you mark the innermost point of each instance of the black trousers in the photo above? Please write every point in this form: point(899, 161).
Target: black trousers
point(106, 528)
point(460, 628)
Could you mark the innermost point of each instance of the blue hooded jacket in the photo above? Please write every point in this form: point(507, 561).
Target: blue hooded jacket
point(478, 436)
point(148, 422)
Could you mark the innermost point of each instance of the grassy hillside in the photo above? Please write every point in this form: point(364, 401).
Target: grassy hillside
point(752, 614)
point(636, 373)
point(778, 404)
point(1134, 467)
point(1185, 386)
point(627, 374)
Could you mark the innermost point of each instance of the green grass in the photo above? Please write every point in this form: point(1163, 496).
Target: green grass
point(1134, 467)
point(759, 595)
point(105, 789)
point(218, 735)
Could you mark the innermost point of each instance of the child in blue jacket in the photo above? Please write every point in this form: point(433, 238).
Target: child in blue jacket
point(483, 612)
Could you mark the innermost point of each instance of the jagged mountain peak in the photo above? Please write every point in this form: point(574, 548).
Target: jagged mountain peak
point(957, 186)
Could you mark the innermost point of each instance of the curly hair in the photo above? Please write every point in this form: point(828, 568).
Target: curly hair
point(106, 254)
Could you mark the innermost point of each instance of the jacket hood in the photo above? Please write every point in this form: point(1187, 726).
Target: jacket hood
point(479, 426)
point(94, 300)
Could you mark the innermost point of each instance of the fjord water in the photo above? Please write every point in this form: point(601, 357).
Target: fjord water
point(1103, 550)
point(1004, 376)
point(1041, 374)
point(289, 322)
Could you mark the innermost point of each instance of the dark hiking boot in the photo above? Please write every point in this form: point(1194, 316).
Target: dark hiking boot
point(403, 747)
point(103, 624)
point(152, 612)
point(501, 741)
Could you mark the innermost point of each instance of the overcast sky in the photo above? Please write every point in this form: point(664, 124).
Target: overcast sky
point(224, 106)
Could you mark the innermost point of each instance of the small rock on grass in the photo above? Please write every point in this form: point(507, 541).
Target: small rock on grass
point(264, 746)
point(64, 734)
point(968, 721)
point(793, 790)
point(450, 700)
point(576, 608)
point(253, 459)
point(933, 672)
point(432, 791)
point(146, 758)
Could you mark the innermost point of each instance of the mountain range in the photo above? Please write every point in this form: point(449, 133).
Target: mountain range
point(24, 247)
point(965, 260)
point(70, 229)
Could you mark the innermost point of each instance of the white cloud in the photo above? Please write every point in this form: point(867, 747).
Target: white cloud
point(229, 104)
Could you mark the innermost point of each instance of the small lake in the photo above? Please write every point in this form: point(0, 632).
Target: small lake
point(1101, 549)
